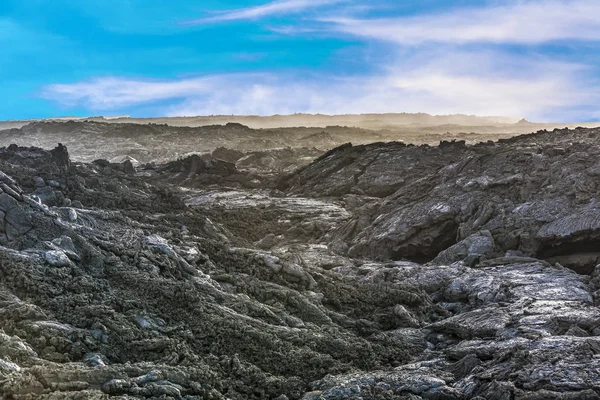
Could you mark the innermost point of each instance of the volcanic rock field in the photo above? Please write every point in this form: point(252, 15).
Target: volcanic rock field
point(152, 261)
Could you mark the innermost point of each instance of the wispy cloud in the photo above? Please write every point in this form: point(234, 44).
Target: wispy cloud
point(521, 22)
point(437, 83)
point(279, 7)
point(458, 61)
point(113, 92)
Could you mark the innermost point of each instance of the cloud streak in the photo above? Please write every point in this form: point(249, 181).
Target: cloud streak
point(519, 23)
point(280, 7)
point(435, 82)
point(114, 92)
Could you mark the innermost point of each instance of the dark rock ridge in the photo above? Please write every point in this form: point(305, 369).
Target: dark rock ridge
point(384, 271)
point(535, 194)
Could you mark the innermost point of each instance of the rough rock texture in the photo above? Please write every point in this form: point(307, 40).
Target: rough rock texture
point(462, 272)
point(470, 249)
point(112, 301)
point(536, 194)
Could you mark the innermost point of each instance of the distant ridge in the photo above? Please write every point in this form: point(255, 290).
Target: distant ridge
point(372, 121)
point(367, 121)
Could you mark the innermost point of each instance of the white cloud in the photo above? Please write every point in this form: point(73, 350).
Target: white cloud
point(273, 8)
point(436, 82)
point(433, 71)
point(113, 92)
point(517, 22)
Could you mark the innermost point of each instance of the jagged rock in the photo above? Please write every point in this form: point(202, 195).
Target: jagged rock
point(94, 360)
point(470, 249)
point(57, 258)
point(39, 181)
point(60, 156)
point(71, 215)
point(66, 245)
point(267, 242)
point(587, 222)
point(483, 323)
point(128, 167)
point(159, 245)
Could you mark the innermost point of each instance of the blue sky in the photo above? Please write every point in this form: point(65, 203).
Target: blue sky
point(533, 59)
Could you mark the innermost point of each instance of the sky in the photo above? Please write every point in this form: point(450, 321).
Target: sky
point(536, 59)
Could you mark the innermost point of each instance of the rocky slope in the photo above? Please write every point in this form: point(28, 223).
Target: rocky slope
point(536, 194)
point(384, 271)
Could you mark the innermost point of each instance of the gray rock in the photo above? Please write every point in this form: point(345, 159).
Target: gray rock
point(483, 323)
point(159, 245)
point(71, 215)
point(474, 247)
point(39, 181)
point(95, 360)
point(584, 222)
point(57, 258)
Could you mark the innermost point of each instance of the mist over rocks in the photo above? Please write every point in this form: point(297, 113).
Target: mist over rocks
point(369, 271)
point(166, 139)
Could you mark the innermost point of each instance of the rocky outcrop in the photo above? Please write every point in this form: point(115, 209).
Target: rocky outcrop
point(536, 195)
point(470, 250)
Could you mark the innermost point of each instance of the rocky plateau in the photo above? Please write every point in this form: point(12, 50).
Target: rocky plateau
point(231, 265)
